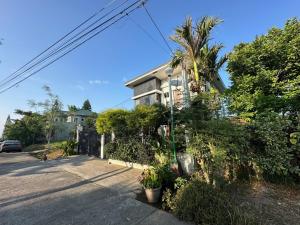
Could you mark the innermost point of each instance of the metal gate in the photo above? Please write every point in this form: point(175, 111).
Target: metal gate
point(89, 142)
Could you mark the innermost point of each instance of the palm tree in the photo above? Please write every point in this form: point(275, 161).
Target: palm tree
point(209, 62)
point(192, 40)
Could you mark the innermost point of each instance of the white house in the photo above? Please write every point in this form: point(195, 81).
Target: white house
point(153, 86)
point(67, 122)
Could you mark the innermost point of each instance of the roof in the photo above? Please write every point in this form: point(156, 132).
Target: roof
point(159, 72)
point(80, 112)
point(145, 76)
point(83, 112)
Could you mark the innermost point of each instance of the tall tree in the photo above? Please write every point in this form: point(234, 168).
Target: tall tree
point(52, 107)
point(265, 73)
point(28, 129)
point(87, 105)
point(192, 39)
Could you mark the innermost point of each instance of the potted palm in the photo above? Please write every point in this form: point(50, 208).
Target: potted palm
point(151, 182)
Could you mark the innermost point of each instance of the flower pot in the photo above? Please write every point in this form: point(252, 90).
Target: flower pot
point(153, 194)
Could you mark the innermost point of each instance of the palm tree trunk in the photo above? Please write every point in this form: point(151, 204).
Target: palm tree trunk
point(196, 73)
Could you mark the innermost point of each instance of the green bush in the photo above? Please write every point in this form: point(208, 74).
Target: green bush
point(150, 179)
point(166, 175)
point(69, 147)
point(274, 153)
point(131, 150)
point(201, 203)
point(220, 147)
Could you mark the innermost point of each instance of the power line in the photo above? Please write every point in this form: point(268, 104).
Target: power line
point(73, 48)
point(157, 28)
point(59, 40)
point(65, 44)
point(148, 34)
point(124, 101)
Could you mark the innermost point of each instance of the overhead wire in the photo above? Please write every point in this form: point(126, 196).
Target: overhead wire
point(158, 29)
point(68, 43)
point(147, 34)
point(60, 39)
point(122, 13)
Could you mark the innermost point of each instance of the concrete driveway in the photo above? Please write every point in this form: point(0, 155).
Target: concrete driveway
point(79, 190)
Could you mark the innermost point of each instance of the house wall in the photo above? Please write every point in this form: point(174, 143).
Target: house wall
point(161, 83)
point(64, 130)
point(150, 85)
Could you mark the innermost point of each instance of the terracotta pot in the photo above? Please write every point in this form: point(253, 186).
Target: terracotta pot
point(153, 194)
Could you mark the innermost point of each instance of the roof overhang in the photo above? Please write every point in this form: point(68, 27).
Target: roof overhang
point(159, 72)
point(156, 72)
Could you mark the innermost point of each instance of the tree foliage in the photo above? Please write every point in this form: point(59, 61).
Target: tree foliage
point(112, 120)
point(52, 107)
point(142, 119)
point(273, 152)
point(194, 52)
point(29, 129)
point(72, 108)
point(265, 73)
point(87, 105)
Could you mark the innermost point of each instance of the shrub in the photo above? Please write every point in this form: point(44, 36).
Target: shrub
point(220, 148)
point(158, 174)
point(130, 150)
point(166, 175)
point(150, 179)
point(201, 203)
point(69, 147)
point(274, 152)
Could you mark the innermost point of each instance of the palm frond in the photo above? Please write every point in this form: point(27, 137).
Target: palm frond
point(177, 59)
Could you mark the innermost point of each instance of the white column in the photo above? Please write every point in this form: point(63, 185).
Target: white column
point(102, 146)
point(113, 136)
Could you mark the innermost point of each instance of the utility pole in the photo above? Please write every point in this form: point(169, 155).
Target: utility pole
point(186, 91)
point(169, 72)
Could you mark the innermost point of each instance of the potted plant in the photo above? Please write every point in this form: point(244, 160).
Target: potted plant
point(151, 182)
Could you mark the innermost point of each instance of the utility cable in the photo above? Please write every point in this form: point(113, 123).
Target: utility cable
point(48, 64)
point(147, 34)
point(157, 28)
point(59, 40)
point(65, 44)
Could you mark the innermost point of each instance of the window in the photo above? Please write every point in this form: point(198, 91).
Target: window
point(147, 86)
point(148, 99)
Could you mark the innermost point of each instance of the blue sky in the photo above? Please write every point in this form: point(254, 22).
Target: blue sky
point(97, 70)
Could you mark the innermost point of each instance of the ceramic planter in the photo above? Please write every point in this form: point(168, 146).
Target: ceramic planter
point(153, 194)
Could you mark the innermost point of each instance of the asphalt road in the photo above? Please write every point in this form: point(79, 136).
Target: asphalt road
point(43, 193)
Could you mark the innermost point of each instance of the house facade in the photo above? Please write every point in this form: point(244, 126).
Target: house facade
point(153, 86)
point(67, 122)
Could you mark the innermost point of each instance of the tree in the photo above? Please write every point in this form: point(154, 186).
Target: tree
point(147, 119)
point(210, 63)
point(265, 73)
point(72, 108)
point(192, 40)
point(52, 109)
point(112, 120)
point(87, 105)
point(28, 129)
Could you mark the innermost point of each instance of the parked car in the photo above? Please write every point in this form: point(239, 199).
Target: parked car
point(10, 145)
